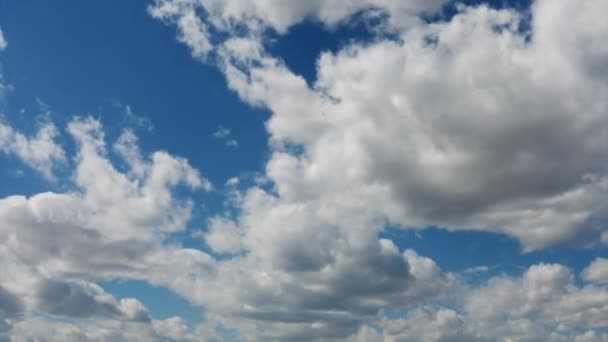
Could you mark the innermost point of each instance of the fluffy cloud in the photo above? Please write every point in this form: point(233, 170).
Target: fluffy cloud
point(467, 124)
point(225, 134)
point(597, 272)
point(258, 16)
point(474, 122)
point(113, 225)
point(171, 329)
point(40, 151)
point(544, 304)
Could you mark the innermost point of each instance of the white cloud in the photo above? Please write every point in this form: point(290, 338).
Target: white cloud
point(279, 15)
point(232, 181)
point(467, 123)
point(112, 226)
point(223, 236)
point(3, 42)
point(597, 272)
point(171, 329)
point(543, 304)
point(456, 127)
point(40, 151)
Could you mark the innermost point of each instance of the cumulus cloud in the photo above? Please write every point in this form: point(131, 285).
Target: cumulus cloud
point(488, 121)
point(597, 272)
point(468, 123)
point(112, 226)
point(171, 329)
point(543, 304)
point(258, 16)
point(40, 151)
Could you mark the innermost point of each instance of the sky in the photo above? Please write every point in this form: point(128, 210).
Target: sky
point(285, 170)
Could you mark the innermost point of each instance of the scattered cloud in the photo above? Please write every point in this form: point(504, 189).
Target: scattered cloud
point(542, 304)
point(477, 269)
point(221, 133)
point(467, 123)
point(479, 136)
point(225, 134)
point(112, 226)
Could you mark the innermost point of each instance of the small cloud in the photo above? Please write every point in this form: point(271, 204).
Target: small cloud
point(232, 143)
point(232, 181)
point(3, 42)
point(223, 133)
point(478, 269)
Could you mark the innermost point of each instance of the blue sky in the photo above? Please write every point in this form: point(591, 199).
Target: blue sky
point(303, 171)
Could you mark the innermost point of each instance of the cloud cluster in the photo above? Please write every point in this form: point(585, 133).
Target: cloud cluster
point(484, 121)
point(490, 120)
point(111, 226)
point(468, 123)
point(544, 304)
point(231, 16)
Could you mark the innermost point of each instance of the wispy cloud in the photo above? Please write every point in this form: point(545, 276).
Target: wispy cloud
point(225, 134)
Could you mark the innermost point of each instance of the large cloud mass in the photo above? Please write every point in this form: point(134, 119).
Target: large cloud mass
point(474, 123)
point(488, 120)
point(491, 120)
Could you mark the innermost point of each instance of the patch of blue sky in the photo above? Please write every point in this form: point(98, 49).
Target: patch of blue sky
point(481, 255)
point(161, 302)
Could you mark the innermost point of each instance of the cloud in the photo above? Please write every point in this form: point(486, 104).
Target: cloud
point(232, 181)
point(456, 128)
point(171, 329)
point(41, 152)
point(543, 304)
point(111, 226)
point(224, 134)
point(597, 272)
point(3, 42)
point(467, 123)
point(258, 16)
